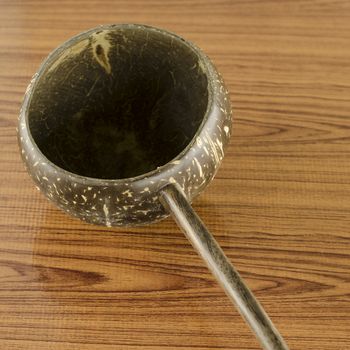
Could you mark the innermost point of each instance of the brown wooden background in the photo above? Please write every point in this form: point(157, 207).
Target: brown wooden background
point(280, 205)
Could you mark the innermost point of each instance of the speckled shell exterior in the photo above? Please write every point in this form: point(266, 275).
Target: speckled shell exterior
point(132, 201)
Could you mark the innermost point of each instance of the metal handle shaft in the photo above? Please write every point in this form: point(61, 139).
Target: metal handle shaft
point(206, 246)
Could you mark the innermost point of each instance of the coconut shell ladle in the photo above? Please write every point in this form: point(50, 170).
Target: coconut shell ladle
point(126, 124)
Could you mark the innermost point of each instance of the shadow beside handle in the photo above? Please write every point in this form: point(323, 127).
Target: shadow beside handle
point(206, 246)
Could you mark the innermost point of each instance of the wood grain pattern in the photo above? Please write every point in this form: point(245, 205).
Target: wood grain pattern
point(280, 205)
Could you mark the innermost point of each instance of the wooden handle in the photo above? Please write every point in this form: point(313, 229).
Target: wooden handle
point(206, 246)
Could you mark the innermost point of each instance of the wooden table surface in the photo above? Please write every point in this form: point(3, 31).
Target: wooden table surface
point(279, 206)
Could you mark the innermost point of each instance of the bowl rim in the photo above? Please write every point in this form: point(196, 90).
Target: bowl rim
point(207, 67)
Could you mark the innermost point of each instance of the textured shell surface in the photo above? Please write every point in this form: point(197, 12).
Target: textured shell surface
point(131, 201)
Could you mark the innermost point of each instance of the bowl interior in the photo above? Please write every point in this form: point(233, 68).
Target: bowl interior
point(118, 103)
